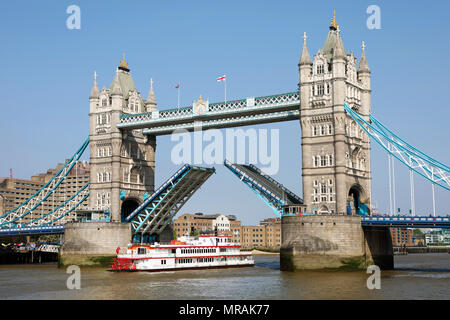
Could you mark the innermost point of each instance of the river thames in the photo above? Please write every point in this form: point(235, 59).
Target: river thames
point(417, 276)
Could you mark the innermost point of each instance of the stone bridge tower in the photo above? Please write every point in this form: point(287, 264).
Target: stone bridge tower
point(122, 162)
point(335, 150)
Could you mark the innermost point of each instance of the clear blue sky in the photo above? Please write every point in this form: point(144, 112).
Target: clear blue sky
point(47, 75)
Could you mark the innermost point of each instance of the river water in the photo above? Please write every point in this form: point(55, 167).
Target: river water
point(417, 276)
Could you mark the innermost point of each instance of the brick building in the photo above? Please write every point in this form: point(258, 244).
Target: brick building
point(15, 191)
point(265, 235)
point(402, 237)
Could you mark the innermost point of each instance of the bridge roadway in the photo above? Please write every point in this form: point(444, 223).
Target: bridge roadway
point(368, 221)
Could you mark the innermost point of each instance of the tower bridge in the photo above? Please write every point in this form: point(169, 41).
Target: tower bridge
point(333, 107)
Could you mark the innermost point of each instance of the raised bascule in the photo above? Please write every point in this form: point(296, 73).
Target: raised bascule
point(330, 226)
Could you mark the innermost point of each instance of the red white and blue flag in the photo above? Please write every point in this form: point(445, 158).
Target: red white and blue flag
point(222, 78)
point(177, 86)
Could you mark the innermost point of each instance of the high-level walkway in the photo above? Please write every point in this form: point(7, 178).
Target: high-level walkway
point(267, 109)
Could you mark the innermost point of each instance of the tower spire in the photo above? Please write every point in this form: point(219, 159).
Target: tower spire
point(150, 104)
point(123, 64)
point(151, 94)
point(334, 25)
point(305, 58)
point(339, 50)
point(94, 91)
point(115, 87)
point(363, 65)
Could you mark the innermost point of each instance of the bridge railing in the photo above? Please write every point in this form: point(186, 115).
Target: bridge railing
point(214, 109)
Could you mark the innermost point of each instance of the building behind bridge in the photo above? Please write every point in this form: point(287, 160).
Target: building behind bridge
point(438, 237)
point(265, 235)
point(14, 191)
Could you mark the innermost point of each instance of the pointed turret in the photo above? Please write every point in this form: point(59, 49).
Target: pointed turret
point(305, 58)
point(339, 50)
point(115, 86)
point(150, 104)
point(94, 92)
point(363, 65)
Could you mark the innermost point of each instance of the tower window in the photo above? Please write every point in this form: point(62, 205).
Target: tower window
point(316, 161)
point(320, 90)
point(320, 69)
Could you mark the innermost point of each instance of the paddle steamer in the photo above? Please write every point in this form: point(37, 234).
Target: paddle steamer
point(185, 253)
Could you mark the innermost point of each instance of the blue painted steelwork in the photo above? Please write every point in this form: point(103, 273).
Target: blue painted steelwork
point(406, 222)
point(41, 220)
point(280, 107)
point(157, 211)
point(43, 193)
point(414, 159)
point(413, 149)
point(297, 214)
point(405, 153)
point(274, 194)
point(33, 230)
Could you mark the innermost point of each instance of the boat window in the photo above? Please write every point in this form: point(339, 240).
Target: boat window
point(174, 250)
point(142, 250)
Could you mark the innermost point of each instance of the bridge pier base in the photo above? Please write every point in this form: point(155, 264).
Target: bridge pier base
point(333, 242)
point(93, 243)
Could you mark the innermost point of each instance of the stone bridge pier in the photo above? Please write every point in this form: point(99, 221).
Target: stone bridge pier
point(333, 242)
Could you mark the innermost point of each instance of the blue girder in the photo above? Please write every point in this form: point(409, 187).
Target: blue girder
point(157, 210)
point(274, 194)
point(12, 216)
point(33, 231)
point(406, 222)
point(416, 160)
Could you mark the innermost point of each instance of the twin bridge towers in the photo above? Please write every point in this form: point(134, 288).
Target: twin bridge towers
point(335, 150)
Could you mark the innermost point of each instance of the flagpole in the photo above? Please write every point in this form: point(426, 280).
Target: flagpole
point(225, 92)
point(179, 86)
